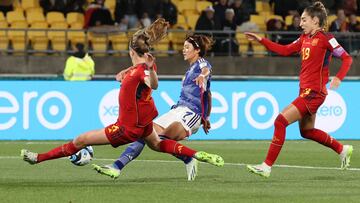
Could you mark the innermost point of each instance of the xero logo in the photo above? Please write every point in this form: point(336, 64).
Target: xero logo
point(109, 107)
point(332, 113)
point(52, 110)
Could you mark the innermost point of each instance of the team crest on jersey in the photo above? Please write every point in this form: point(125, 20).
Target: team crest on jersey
point(314, 42)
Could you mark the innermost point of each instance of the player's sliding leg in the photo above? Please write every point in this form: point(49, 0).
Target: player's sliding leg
point(132, 152)
point(58, 152)
point(173, 147)
point(95, 137)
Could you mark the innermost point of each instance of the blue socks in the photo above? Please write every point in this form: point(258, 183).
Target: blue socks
point(130, 153)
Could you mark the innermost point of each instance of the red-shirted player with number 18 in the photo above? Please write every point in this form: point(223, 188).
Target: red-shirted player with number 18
point(316, 48)
point(136, 112)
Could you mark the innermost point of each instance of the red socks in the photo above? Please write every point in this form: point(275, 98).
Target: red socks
point(278, 139)
point(322, 138)
point(58, 152)
point(173, 147)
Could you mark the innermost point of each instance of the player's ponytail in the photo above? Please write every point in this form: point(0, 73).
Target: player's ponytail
point(142, 41)
point(318, 9)
point(202, 42)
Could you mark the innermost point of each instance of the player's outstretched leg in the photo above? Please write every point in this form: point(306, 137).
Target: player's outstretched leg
point(107, 170)
point(58, 152)
point(345, 156)
point(262, 169)
point(173, 147)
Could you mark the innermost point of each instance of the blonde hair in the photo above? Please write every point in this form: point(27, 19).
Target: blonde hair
point(142, 41)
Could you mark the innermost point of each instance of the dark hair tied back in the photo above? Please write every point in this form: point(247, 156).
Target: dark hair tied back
point(201, 42)
point(318, 10)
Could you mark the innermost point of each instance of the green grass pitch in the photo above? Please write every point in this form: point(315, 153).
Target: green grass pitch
point(306, 172)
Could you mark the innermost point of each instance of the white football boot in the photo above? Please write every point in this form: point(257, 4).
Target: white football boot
point(262, 169)
point(345, 156)
point(192, 169)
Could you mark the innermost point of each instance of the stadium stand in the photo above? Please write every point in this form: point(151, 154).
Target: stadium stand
point(57, 32)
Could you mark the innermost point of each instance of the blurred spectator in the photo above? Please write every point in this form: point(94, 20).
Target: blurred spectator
point(145, 20)
point(349, 7)
point(80, 66)
point(123, 24)
point(248, 26)
point(330, 5)
point(169, 12)
point(97, 14)
point(207, 21)
point(53, 5)
point(284, 7)
point(64, 6)
point(250, 5)
point(129, 9)
point(6, 6)
point(220, 9)
point(241, 11)
point(275, 25)
point(339, 24)
point(151, 7)
point(228, 41)
point(294, 27)
point(354, 24)
point(76, 6)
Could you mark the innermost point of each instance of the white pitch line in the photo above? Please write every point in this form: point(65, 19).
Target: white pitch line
point(228, 164)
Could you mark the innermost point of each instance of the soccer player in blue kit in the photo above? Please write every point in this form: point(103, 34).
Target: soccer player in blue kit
point(184, 118)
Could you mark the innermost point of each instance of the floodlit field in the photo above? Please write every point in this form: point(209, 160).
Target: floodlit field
point(306, 172)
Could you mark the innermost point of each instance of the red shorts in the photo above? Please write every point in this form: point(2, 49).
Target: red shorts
point(118, 134)
point(308, 101)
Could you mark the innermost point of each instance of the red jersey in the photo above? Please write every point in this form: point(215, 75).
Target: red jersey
point(137, 107)
point(316, 52)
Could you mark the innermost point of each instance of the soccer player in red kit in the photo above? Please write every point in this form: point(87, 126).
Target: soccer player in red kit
point(136, 112)
point(315, 48)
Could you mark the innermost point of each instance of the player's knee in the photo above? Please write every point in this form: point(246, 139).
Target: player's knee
point(175, 131)
point(281, 121)
point(306, 133)
point(80, 141)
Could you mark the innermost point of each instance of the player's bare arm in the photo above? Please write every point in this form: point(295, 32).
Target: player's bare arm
point(205, 121)
point(152, 80)
point(200, 80)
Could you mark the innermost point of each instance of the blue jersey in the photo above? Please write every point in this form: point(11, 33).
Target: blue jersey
point(192, 96)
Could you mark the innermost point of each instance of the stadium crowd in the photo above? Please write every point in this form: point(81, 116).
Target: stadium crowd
point(219, 18)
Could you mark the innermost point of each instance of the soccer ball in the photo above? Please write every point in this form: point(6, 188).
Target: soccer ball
point(82, 157)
